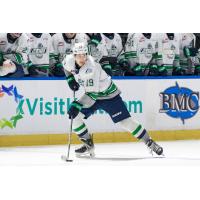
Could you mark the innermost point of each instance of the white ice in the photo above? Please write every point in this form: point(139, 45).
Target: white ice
point(136, 153)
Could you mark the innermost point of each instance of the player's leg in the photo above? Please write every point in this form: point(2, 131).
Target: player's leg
point(138, 131)
point(80, 128)
point(119, 114)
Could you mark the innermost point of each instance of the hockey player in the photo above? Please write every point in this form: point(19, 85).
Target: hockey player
point(124, 37)
point(96, 46)
point(140, 50)
point(188, 53)
point(97, 49)
point(115, 51)
point(100, 93)
point(187, 41)
point(197, 47)
point(13, 54)
point(39, 54)
point(168, 54)
point(62, 46)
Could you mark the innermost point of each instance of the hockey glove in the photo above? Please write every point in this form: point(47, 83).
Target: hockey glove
point(95, 39)
point(178, 71)
point(138, 70)
point(153, 70)
point(162, 70)
point(74, 86)
point(74, 109)
point(106, 65)
point(58, 70)
point(190, 52)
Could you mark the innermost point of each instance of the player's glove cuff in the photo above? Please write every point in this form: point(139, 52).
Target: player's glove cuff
point(59, 65)
point(162, 68)
point(138, 68)
point(74, 109)
point(74, 86)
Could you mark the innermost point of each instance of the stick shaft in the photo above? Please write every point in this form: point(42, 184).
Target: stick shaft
point(70, 132)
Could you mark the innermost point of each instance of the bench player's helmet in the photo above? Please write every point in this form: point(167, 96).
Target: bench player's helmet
point(80, 48)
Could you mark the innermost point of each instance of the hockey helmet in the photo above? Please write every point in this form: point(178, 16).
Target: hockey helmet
point(80, 48)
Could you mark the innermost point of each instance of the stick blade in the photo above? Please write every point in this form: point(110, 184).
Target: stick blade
point(63, 157)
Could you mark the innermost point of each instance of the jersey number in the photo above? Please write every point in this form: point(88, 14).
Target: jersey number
point(89, 82)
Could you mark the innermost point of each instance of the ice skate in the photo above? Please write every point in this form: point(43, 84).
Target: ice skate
point(154, 147)
point(87, 149)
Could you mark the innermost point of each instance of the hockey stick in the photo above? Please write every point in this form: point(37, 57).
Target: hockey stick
point(64, 157)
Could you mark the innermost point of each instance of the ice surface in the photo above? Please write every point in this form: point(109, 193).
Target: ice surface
point(136, 153)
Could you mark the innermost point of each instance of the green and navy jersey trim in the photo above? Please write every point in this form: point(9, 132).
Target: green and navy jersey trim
point(130, 54)
point(76, 105)
point(111, 89)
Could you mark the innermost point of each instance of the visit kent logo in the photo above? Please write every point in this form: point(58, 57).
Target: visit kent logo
point(10, 98)
point(179, 102)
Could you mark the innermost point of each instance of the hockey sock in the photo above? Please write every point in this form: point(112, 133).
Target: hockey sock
point(80, 128)
point(136, 129)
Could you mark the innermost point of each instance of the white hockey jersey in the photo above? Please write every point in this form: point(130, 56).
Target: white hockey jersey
point(16, 51)
point(168, 50)
point(186, 40)
point(141, 48)
point(63, 48)
point(40, 48)
point(113, 46)
point(91, 76)
point(97, 52)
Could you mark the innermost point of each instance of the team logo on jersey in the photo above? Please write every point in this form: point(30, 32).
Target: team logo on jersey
point(112, 51)
point(173, 47)
point(149, 46)
point(179, 102)
point(11, 93)
point(88, 71)
point(147, 52)
point(39, 51)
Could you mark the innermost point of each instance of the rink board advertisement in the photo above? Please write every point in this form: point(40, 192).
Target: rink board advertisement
point(40, 106)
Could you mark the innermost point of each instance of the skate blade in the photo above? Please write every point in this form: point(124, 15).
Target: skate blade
point(153, 154)
point(90, 154)
point(158, 156)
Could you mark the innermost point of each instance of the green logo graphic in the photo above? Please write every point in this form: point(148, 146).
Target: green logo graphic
point(11, 92)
